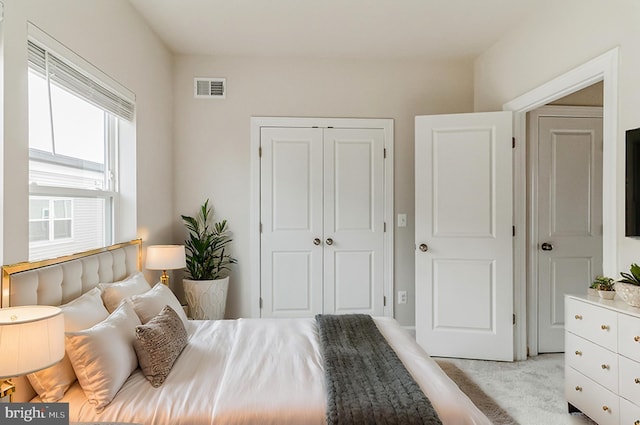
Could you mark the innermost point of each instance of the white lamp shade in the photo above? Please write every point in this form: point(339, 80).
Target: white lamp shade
point(31, 338)
point(165, 257)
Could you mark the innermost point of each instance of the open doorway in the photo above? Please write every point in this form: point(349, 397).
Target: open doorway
point(602, 68)
point(564, 226)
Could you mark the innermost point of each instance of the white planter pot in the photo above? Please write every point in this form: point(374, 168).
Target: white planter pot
point(206, 298)
point(628, 292)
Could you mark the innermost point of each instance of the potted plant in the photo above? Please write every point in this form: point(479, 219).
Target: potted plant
point(208, 264)
point(604, 287)
point(628, 288)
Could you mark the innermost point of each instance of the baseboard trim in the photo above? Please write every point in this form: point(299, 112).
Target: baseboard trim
point(411, 330)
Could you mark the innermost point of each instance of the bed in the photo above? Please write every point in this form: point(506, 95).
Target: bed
point(243, 371)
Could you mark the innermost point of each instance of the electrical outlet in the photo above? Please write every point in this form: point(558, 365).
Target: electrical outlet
point(402, 297)
point(402, 220)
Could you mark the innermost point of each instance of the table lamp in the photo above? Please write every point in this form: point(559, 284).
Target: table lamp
point(165, 257)
point(31, 339)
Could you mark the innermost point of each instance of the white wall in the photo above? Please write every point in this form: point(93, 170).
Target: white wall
point(212, 136)
point(110, 35)
point(559, 37)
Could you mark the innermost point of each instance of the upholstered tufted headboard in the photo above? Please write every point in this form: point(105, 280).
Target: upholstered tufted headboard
point(59, 280)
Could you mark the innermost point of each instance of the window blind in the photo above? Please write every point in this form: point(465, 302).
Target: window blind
point(90, 89)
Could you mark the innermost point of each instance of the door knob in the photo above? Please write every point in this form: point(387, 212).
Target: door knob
point(317, 241)
point(547, 246)
point(329, 241)
point(423, 247)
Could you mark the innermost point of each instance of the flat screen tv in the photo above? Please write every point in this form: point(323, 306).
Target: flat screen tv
point(632, 222)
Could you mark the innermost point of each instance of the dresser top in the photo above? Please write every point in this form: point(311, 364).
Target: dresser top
point(615, 304)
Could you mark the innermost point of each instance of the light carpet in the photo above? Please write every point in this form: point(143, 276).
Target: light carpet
point(528, 392)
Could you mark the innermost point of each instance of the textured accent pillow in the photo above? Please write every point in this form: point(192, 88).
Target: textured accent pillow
point(82, 313)
point(103, 356)
point(114, 293)
point(151, 303)
point(158, 344)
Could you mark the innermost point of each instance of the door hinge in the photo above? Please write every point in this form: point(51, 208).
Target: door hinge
point(513, 231)
point(260, 151)
point(384, 227)
point(384, 152)
point(513, 142)
point(514, 318)
point(260, 302)
point(384, 301)
point(260, 227)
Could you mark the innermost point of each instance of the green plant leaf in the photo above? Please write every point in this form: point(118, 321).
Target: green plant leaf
point(206, 258)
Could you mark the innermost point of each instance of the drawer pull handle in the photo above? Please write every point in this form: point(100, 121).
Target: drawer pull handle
point(604, 327)
point(578, 317)
point(578, 353)
point(636, 338)
point(637, 380)
point(605, 408)
point(605, 366)
point(578, 388)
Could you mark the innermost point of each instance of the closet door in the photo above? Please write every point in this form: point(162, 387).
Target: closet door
point(291, 220)
point(353, 221)
point(322, 219)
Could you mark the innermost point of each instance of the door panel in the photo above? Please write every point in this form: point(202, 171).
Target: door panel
point(565, 274)
point(291, 217)
point(354, 221)
point(449, 188)
point(569, 213)
point(354, 287)
point(292, 284)
point(464, 277)
point(456, 279)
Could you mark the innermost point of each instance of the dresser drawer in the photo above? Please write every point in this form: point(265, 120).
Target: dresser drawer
point(629, 336)
point(629, 413)
point(590, 359)
point(629, 379)
point(592, 322)
point(593, 400)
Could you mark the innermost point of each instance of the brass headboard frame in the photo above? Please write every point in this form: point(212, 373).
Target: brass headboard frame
point(9, 270)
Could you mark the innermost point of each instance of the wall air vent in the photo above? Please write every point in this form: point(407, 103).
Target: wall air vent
point(209, 88)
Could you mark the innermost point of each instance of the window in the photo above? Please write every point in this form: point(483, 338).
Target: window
point(50, 219)
point(74, 137)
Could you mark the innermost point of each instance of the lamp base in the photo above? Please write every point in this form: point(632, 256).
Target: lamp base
point(164, 278)
point(7, 388)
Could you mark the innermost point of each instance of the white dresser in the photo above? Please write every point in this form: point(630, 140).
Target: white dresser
point(602, 359)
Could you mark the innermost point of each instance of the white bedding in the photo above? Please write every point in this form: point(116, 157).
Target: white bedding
point(259, 371)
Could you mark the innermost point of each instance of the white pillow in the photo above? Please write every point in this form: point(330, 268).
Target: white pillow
point(82, 313)
point(114, 293)
point(103, 356)
point(151, 303)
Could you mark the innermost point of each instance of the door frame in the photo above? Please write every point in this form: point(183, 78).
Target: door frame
point(386, 124)
point(532, 147)
point(602, 68)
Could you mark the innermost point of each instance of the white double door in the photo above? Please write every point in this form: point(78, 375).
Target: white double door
point(322, 221)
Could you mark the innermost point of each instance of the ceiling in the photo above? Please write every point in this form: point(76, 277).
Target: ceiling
point(398, 29)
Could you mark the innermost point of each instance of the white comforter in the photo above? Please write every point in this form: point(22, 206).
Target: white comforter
point(260, 371)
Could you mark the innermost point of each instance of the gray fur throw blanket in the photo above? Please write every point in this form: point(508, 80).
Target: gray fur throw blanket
point(366, 381)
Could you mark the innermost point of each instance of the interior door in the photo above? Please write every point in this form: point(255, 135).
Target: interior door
point(569, 206)
point(291, 208)
point(464, 270)
point(353, 221)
